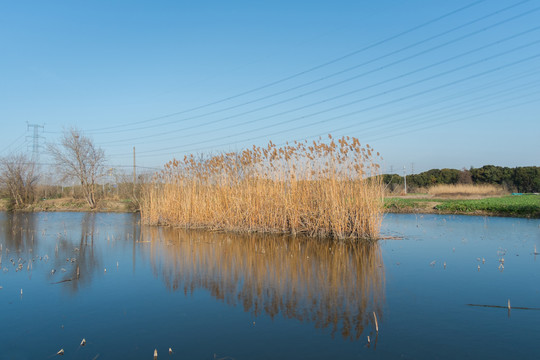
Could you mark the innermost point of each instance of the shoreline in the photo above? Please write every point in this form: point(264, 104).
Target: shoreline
point(475, 213)
point(526, 206)
point(75, 205)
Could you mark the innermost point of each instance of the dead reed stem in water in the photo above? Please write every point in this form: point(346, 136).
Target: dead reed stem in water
point(319, 189)
point(376, 322)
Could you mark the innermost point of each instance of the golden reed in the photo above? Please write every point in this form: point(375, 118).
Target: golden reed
point(320, 189)
point(466, 190)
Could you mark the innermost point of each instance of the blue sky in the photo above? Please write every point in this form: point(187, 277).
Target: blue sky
point(431, 83)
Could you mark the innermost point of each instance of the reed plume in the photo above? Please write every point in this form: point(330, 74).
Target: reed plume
point(321, 189)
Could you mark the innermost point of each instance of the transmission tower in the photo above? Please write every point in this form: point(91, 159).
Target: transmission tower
point(35, 140)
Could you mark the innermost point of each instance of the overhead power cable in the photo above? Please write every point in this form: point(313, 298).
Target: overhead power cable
point(13, 142)
point(371, 61)
point(534, 100)
point(314, 68)
point(514, 90)
point(107, 165)
point(431, 116)
point(288, 121)
point(498, 68)
point(285, 112)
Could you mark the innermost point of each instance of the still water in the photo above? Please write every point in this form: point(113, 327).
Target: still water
point(129, 289)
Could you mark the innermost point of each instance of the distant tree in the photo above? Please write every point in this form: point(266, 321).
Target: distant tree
point(449, 176)
point(392, 181)
point(527, 179)
point(19, 177)
point(523, 179)
point(465, 177)
point(77, 157)
point(433, 176)
point(490, 174)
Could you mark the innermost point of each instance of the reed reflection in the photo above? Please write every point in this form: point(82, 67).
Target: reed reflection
point(335, 285)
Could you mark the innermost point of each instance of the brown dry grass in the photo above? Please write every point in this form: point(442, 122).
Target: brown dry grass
point(466, 190)
point(319, 189)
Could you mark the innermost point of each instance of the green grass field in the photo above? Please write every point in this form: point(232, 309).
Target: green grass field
point(520, 206)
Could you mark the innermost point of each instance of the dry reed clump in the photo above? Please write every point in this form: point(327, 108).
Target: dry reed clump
point(319, 189)
point(466, 190)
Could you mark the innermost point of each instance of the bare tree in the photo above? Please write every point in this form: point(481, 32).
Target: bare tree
point(19, 176)
point(78, 158)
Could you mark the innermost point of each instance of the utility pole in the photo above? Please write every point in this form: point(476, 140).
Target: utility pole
point(134, 173)
point(405, 179)
point(412, 168)
point(35, 141)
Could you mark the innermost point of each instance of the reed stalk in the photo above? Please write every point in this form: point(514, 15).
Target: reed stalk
point(466, 190)
point(324, 189)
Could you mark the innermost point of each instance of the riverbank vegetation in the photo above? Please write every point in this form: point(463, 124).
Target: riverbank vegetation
point(517, 206)
point(322, 189)
point(524, 179)
point(327, 189)
point(465, 190)
point(116, 197)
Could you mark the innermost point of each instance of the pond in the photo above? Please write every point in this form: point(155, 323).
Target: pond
point(438, 287)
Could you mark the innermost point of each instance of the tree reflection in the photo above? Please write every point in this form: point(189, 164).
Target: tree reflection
point(335, 285)
point(18, 230)
point(31, 243)
point(86, 262)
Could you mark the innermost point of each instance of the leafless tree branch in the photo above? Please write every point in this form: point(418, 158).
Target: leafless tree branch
point(78, 158)
point(19, 176)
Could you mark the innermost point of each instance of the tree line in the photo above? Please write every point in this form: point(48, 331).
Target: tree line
point(524, 179)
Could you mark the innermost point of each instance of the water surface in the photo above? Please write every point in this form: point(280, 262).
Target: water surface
point(129, 289)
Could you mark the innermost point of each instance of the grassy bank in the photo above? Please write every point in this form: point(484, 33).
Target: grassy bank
point(518, 206)
point(77, 205)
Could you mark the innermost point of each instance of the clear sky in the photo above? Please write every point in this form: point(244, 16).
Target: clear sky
point(431, 83)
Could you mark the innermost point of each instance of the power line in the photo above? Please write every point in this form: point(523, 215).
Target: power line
point(534, 100)
point(489, 85)
point(430, 114)
point(472, 101)
point(409, 124)
point(385, 93)
point(106, 165)
point(241, 124)
point(498, 68)
point(290, 77)
point(444, 115)
point(374, 60)
point(13, 142)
